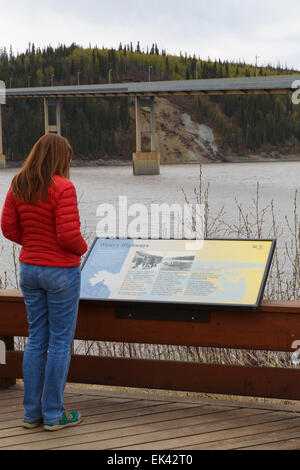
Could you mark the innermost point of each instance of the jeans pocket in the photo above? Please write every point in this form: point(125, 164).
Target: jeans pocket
point(27, 275)
point(53, 278)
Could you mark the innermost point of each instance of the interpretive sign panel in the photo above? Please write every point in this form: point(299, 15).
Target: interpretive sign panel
point(207, 272)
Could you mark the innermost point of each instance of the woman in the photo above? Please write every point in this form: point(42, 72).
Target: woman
point(41, 214)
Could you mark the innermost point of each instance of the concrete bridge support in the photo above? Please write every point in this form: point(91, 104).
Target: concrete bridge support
point(145, 163)
point(2, 156)
point(55, 127)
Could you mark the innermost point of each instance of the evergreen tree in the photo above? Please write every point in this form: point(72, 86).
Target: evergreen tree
point(98, 127)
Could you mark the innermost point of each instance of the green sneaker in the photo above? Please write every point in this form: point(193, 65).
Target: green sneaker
point(27, 424)
point(71, 418)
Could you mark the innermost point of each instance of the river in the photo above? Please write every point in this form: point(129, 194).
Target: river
point(97, 185)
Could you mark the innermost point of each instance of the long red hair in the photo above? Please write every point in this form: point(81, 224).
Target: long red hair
point(50, 155)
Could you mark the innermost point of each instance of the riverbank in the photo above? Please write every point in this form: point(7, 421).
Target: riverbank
point(80, 163)
point(265, 157)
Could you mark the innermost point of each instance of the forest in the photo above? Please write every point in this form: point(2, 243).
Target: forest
point(105, 127)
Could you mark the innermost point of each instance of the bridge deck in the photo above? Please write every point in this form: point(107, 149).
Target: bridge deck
point(274, 84)
point(119, 420)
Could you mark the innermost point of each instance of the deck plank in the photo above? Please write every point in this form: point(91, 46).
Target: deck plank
point(159, 420)
point(290, 444)
point(146, 414)
point(102, 438)
point(133, 421)
point(5, 404)
point(89, 408)
point(279, 431)
point(17, 403)
point(201, 436)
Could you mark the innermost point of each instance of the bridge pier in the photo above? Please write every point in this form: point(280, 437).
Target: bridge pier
point(2, 156)
point(49, 103)
point(145, 163)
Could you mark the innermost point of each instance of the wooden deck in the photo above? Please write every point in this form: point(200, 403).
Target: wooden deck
point(119, 420)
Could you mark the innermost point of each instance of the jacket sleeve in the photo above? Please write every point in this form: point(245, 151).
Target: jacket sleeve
point(10, 220)
point(67, 222)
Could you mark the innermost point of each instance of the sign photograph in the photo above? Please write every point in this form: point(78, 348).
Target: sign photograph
point(210, 272)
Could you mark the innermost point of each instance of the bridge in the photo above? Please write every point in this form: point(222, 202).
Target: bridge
point(144, 94)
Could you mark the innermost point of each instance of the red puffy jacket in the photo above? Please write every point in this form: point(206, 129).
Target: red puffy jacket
point(49, 232)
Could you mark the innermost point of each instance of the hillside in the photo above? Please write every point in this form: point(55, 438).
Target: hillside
point(212, 128)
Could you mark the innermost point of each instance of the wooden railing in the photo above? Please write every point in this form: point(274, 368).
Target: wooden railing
point(274, 327)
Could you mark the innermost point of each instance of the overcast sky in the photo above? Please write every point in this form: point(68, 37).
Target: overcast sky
point(226, 29)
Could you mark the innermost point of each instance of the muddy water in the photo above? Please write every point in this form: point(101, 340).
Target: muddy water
point(278, 182)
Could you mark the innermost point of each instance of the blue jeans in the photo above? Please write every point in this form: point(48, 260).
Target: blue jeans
point(51, 296)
